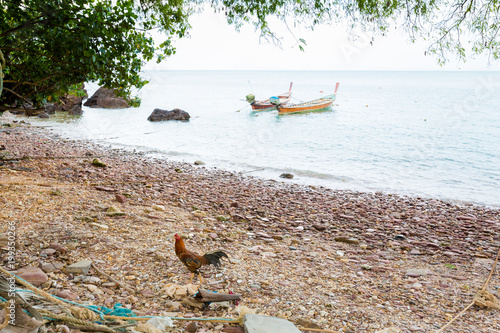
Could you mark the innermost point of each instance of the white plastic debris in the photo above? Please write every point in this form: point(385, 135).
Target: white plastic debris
point(160, 323)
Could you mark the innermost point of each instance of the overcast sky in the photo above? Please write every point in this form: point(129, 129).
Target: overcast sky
point(214, 45)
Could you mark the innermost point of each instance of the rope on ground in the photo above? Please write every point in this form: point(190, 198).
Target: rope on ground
point(316, 330)
point(6, 321)
point(78, 322)
point(483, 298)
point(211, 320)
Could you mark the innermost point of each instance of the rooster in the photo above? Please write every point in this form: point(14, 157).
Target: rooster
point(194, 261)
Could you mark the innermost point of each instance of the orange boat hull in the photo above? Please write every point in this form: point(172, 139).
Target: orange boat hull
point(314, 105)
point(320, 104)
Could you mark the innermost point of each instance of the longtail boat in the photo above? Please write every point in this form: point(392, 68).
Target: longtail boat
point(314, 105)
point(270, 104)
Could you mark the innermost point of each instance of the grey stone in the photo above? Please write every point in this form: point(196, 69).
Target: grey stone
point(346, 239)
point(416, 272)
point(52, 266)
point(175, 114)
point(81, 267)
point(106, 98)
point(266, 324)
point(286, 175)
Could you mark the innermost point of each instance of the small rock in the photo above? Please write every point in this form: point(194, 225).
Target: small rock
point(58, 248)
point(56, 192)
point(121, 198)
point(319, 227)
point(399, 237)
point(415, 252)
point(109, 301)
point(414, 272)
point(200, 214)
point(191, 327)
point(67, 294)
point(47, 252)
point(72, 245)
point(158, 208)
point(86, 279)
point(33, 275)
point(199, 163)
point(51, 266)
point(81, 267)
point(102, 226)
point(147, 293)
point(286, 175)
point(113, 211)
point(94, 289)
point(96, 162)
point(346, 239)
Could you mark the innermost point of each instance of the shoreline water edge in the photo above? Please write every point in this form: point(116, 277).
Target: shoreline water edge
point(336, 259)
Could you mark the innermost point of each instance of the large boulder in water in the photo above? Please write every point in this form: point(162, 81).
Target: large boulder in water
point(175, 114)
point(106, 98)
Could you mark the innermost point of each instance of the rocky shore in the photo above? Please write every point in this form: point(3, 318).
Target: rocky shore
point(321, 258)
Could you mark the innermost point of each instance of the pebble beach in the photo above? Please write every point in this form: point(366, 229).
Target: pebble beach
point(342, 261)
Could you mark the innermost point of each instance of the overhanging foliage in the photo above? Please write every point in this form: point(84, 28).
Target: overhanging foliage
point(52, 45)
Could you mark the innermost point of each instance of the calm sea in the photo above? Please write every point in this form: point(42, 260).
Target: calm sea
point(427, 134)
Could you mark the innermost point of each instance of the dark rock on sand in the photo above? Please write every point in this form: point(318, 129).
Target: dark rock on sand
point(175, 114)
point(107, 99)
point(286, 175)
point(43, 115)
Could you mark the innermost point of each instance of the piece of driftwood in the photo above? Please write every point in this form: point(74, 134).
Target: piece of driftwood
point(123, 285)
point(208, 296)
point(233, 329)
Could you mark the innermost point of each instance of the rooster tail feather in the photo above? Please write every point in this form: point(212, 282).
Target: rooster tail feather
point(213, 258)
